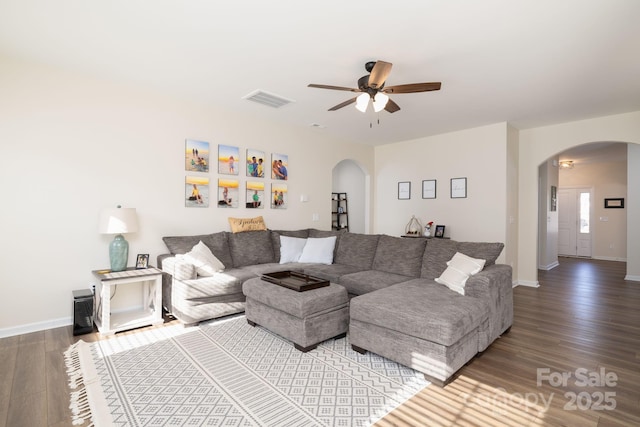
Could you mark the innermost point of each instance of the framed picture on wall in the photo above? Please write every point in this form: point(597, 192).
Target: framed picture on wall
point(196, 156)
point(279, 165)
point(404, 190)
point(278, 196)
point(255, 195)
point(228, 159)
point(196, 191)
point(429, 189)
point(255, 163)
point(228, 190)
point(458, 188)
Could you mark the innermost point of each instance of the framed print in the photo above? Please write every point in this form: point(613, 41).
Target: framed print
point(255, 195)
point(196, 156)
point(228, 193)
point(255, 163)
point(228, 159)
point(439, 231)
point(278, 196)
point(279, 165)
point(614, 203)
point(429, 189)
point(196, 189)
point(142, 261)
point(458, 188)
point(404, 190)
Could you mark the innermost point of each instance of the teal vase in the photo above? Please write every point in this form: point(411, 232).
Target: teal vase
point(119, 253)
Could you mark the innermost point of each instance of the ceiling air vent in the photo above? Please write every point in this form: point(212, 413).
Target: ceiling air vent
point(268, 99)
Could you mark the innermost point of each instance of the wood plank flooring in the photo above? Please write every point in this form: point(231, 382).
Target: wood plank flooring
point(585, 316)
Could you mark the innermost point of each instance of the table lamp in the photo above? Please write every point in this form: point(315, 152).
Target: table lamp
point(118, 221)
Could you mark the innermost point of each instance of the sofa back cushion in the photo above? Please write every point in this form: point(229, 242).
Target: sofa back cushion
point(436, 255)
point(484, 250)
point(357, 250)
point(251, 247)
point(217, 242)
point(399, 255)
point(275, 238)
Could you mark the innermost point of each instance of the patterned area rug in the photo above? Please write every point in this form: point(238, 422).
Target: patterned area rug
point(227, 373)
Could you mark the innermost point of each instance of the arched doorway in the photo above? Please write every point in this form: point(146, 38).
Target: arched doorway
point(350, 177)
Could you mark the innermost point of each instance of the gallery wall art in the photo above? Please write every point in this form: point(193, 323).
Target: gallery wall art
point(279, 165)
point(196, 189)
point(255, 195)
point(228, 160)
point(279, 196)
point(228, 193)
point(196, 156)
point(255, 163)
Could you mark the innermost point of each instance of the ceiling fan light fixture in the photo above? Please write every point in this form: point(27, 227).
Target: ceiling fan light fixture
point(362, 102)
point(380, 101)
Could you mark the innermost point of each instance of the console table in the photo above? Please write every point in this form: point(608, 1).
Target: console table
point(110, 322)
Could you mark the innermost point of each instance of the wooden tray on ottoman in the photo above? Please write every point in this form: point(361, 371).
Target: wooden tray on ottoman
point(293, 280)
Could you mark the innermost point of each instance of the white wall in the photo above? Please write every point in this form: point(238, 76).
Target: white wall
point(479, 154)
point(633, 212)
point(548, 219)
point(539, 144)
point(72, 145)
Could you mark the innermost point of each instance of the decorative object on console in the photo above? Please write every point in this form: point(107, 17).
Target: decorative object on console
point(439, 231)
point(458, 188)
point(427, 229)
point(413, 227)
point(118, 221)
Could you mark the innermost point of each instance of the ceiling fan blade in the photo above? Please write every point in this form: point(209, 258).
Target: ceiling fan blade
point(379, 74)
point(413, 88)
point(349, 89)
point(343, 104)
point(391, 106)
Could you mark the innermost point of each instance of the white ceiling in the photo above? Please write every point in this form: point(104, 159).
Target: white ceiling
point(526, 62)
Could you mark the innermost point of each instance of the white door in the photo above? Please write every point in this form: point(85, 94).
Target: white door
point(574, 222)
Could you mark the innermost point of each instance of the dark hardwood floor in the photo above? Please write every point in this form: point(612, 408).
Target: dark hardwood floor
point(582, 321)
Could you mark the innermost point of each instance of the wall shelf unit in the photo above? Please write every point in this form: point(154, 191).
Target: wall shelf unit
point(339, 212)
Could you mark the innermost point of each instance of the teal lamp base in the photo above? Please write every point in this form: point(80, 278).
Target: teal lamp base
point(119, 253)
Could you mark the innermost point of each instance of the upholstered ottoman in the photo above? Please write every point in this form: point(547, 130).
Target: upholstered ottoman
point(306, 318)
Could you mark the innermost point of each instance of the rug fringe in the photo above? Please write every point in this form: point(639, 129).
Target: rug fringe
point(80, 408)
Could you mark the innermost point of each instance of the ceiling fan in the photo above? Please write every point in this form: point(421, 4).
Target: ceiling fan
point(373, 88)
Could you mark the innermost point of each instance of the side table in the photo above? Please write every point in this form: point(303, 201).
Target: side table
point(109, 322)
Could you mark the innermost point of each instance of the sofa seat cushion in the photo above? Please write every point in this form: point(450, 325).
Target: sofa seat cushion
point(422, 309)
point(204, 288)
point(367, 281)
point(298, 304)
point(399, 255)
point(332, 272)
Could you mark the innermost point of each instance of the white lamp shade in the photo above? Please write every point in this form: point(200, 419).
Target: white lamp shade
point(118, 221)
point(362, 101)
point(380, 101)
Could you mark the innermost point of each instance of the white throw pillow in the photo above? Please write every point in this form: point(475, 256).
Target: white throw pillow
point(459, 269)
point(318, 250)
point(205, 262)
point(291, 248)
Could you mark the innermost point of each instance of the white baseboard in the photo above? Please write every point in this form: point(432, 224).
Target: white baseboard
point(528, 283)
point(35, 327)
point(608, 258)
point(549, 266)
point(632, 278)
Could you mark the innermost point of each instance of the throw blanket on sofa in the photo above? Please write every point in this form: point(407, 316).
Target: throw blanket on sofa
point(227, 372)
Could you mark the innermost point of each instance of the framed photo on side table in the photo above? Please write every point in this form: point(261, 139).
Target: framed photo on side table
point(142, 261)
point(439, 231)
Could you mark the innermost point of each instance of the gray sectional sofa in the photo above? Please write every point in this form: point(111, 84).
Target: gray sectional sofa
point(396, 307)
